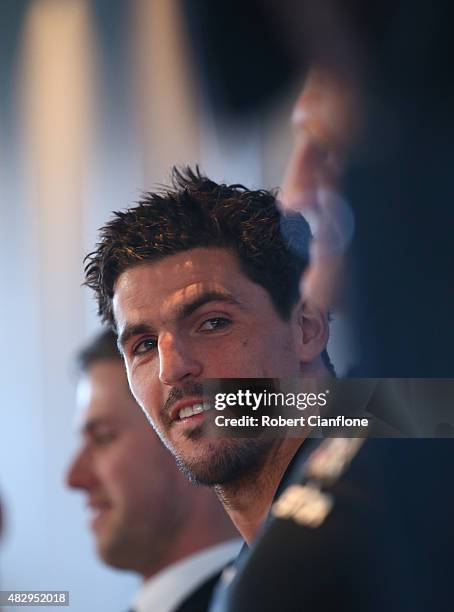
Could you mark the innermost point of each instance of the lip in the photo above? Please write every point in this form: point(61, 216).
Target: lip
point(98, 506)
point(96, 519)
point(98, 510)
point(184, 403)
point(97, 503)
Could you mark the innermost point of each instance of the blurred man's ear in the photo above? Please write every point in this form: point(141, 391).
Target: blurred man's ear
point(312, 332)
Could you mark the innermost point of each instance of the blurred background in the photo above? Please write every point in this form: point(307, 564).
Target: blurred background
point(98, 99)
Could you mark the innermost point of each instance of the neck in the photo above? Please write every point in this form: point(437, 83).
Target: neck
point(205, 524)
point(247, 502)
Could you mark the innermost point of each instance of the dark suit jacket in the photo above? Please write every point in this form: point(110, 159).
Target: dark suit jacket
point(199, 600)
point(385, 545)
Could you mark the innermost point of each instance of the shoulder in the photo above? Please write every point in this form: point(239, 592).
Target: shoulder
point(375, 536)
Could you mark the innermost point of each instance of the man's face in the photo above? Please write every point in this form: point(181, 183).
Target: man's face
point(132, 486)
point(194, 316)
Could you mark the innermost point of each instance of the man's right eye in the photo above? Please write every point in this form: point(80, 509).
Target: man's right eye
point(144, 346)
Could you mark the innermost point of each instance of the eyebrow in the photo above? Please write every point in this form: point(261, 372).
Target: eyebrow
point(132, 330)
point(209, 296)
point(183, 311)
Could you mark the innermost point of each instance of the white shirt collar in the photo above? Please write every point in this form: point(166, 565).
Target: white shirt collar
point(169, 587)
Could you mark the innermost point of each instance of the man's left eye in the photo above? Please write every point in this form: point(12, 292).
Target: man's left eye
point(214, 323)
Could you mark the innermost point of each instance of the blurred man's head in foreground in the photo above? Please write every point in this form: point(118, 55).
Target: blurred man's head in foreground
point(141, 505)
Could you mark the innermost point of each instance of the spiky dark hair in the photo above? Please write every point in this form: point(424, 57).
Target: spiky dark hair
point(272, 248)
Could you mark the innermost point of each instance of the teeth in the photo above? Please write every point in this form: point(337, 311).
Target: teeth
point(194, 409)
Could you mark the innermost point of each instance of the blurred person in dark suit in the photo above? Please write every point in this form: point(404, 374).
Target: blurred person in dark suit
point(146, 517)
point(356, 525)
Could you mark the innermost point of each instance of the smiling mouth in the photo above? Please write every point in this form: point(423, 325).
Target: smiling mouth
point(97, 516)
point(190, 411)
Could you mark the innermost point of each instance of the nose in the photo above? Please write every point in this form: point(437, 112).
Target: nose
point(177, 361)
point(80, 474)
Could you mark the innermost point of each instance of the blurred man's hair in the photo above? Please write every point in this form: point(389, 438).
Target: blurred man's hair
point(196, 212)
point(102, 347)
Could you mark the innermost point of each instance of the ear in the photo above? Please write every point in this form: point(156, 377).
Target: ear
point(312, 332)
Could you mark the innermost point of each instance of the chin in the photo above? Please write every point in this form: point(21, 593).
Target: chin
point(226, 462)
point(114, 554)
point(109, 544)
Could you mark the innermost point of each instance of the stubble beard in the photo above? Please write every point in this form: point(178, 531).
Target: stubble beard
point(111, 547)
point(130, 545)
point(223, 461)
point(219, 461)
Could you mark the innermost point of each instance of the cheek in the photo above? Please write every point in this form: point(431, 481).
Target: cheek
point(136, 480)
point(112, 474)
point(245, 357)
point(277, 355)
point(119, 476)
point(146, 388)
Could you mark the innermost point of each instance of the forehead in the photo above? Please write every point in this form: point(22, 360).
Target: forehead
point(178, 278)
